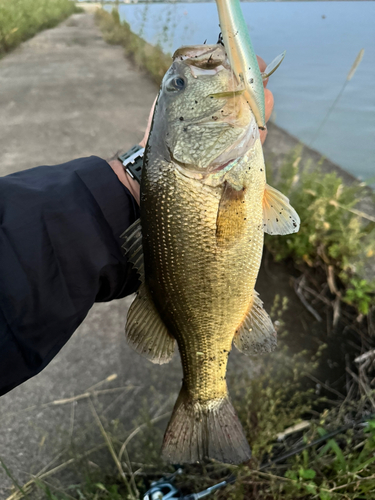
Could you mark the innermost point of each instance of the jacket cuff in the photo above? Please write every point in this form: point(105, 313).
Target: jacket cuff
point(108, 192)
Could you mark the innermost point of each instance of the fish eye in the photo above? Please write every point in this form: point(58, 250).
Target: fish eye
point(179, 83)
point(175, 84)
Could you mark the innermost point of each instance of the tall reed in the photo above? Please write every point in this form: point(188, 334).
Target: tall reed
point(350, 75)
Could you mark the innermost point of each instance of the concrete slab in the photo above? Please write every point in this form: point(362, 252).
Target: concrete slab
point(66, 94)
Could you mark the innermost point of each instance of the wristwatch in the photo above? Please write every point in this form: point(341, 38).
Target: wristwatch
point(132, 161)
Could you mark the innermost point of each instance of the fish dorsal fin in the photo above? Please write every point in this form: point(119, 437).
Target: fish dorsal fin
point(146, 332)
point(132, 247)
point(272, 67)
point(279, 217)
point(256, 334)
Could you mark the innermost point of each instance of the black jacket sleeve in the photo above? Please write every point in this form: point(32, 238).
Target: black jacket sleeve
point(60, 251)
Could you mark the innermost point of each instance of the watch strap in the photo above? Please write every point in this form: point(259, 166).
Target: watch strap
point(132, 161)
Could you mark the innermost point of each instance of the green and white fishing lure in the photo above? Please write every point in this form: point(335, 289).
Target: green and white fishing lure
point(242, 57)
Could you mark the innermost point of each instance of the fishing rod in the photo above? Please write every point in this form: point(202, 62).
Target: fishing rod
point(163, 489)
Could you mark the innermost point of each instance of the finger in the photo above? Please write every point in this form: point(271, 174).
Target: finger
point(262, 64)
point(262, 67)
point(263, 135)
point(269, 102)
point(149, 121)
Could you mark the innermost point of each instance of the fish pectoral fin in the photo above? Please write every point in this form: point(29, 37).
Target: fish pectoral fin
point(272, 67)
point(231, 217)
point(146, 332)
point(256, 335)
point(132, 247)
point(279, 217)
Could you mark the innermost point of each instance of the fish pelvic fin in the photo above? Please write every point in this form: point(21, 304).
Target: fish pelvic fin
point(146, 332)
point(256, 335)
point(199, 431)
point(279, 217)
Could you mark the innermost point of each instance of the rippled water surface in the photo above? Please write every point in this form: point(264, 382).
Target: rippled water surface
point(322, 40)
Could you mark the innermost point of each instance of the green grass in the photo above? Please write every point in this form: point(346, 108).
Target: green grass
point(22, 19)
point(335, 236)
point(341, 467)
point(336, 242)
point(279, 396)
point(151, 59)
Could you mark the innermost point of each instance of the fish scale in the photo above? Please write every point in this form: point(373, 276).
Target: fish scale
point(193, 277)
point(205, 206)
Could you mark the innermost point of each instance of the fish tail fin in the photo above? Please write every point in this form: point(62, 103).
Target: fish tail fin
point(198, 431)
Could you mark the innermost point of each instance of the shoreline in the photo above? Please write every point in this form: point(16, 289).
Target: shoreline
point(279, 141)
point(279, 147)
point(92, 102)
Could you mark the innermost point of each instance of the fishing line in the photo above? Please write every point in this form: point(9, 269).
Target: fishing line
point(157, 487)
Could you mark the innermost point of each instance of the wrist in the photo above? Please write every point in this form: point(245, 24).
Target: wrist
point(131, 184)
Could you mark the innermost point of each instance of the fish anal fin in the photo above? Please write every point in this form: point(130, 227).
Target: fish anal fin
point(200, 430)
point(279, 217)
point(256, 335)
point(231, 216)
point(146, 332)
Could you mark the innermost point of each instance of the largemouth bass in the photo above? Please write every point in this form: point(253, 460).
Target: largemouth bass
point(205, 206)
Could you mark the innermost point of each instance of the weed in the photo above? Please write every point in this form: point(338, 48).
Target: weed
point(22, 19)
point(334, 234)
point(149, 58)
point(350, 75)
point(342, 468)
point(333, 459)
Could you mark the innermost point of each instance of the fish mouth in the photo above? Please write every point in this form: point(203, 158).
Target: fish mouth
point(202, 59)
point(205, 57)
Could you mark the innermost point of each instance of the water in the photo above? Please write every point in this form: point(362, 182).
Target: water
point(322, 40)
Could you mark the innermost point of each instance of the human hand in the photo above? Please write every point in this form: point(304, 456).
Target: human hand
point(149, 121)
point(118, 168)
point(268, 98)
point(125, 179)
